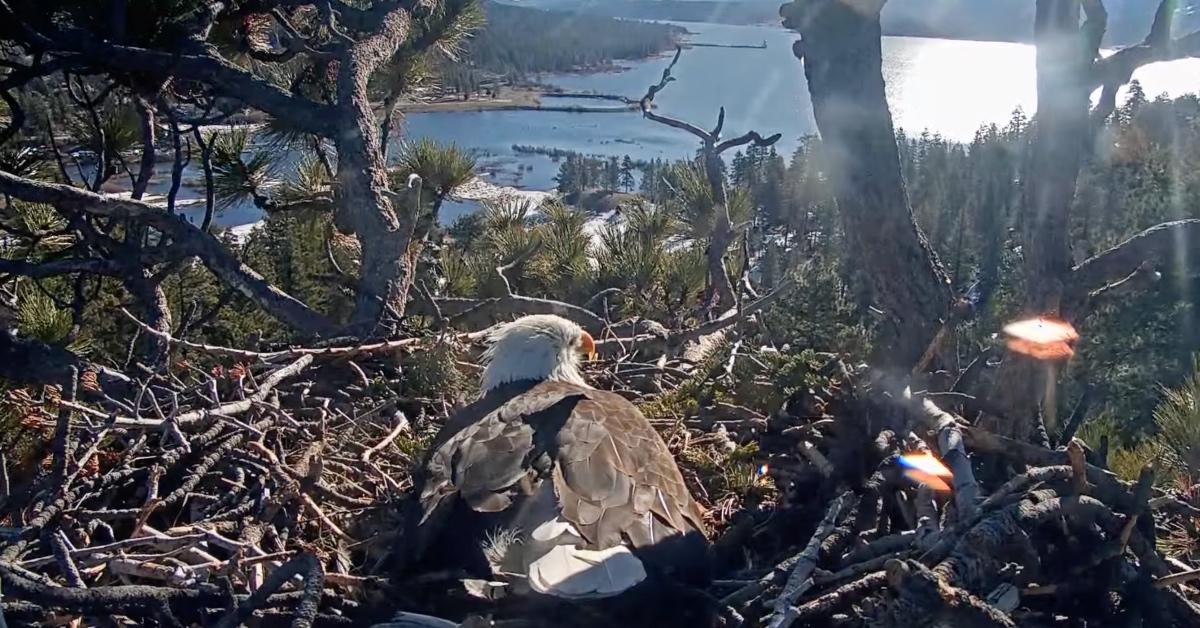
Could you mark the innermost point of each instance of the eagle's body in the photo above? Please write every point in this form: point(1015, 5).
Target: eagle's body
point(567, 487)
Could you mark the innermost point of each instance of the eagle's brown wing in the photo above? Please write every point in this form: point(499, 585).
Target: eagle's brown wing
point(484, 451)
point(615, 477)
point(612, 473)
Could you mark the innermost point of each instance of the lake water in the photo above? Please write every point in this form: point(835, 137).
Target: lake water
point(944, 86)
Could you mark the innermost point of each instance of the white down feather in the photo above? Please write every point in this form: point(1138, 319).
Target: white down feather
point(556, 565)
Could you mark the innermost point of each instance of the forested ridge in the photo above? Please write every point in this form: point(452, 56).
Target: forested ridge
point(909, 381)
point(1000, 20)
point(519, 41)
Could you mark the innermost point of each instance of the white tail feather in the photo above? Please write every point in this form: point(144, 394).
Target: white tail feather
point(569, 572)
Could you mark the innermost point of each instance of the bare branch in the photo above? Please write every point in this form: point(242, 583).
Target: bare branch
point(751, 137)
point(1118, 68)
point(190, 240)
point(55, 268)
point(1095, 26)
point(1156, 246)
point(200, 64)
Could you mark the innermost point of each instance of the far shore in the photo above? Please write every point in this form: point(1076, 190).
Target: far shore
point(519, 98)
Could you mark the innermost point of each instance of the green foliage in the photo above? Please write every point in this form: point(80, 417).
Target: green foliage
point(311, 179)
point(433, 373)
point(114, 134)
point(289, 250)
point(39, 317)
point(442, 168)
point(236, 177)
point(468, 19)
point(22, 161)
point(563, 41)
point(562, 263)
point(1177, 418)
point(730, 473)
point(691, 199)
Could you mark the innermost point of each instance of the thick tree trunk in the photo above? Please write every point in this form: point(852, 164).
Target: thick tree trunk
point(841, 50)
point(364, 207)
point(1055, 154)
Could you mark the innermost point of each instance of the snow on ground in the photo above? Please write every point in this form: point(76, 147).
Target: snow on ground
point(480, 190)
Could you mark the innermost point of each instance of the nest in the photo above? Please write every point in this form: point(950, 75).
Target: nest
point(262, 489)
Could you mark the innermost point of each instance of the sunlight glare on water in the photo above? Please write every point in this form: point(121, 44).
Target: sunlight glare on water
point(951, 87)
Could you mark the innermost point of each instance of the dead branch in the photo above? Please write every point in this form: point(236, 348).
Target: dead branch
point(800, 580)
point(186, 238)
point(950, 445)
point(402, 426)
point(305, 565)
point(232, 408)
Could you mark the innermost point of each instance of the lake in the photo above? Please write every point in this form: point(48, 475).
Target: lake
point(945, 86)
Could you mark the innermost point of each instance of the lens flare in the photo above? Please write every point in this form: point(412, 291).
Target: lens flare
point(1042, 338)
point(923, 468)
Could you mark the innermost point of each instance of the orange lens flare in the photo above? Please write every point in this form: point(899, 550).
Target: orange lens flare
point(923, 468)
point(1042, 338)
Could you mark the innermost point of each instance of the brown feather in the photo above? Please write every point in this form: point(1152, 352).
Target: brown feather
point(613, 475)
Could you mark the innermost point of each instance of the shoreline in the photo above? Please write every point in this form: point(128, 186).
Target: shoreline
point(521, 99)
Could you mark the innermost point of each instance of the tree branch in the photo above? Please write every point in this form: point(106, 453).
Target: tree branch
point(751, 137)
point(26, 361)
point(190, 240)
point(1157, 246)
point(55, 268)
point(201, 64)
point(1117, 68)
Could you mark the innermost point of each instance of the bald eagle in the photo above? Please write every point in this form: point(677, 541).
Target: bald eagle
point(544, 478)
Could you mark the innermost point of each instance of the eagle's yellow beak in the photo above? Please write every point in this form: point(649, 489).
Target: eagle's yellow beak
point(587, 346)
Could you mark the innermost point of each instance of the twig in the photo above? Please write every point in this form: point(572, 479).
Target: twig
point(327, 353)
point(1179, 578)
point(801, 578)
point(316, 510)
point(63, 445)
point(230, 408)
point(304, 564)
point(62, 554)
point(402, 426)
point(1079, 482)
point(839, 597)
point(954, 453)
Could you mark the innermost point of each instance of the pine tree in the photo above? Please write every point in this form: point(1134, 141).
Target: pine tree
point(627, 174)
point(612, 173)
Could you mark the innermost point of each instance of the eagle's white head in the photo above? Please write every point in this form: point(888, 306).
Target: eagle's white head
point(536, 348)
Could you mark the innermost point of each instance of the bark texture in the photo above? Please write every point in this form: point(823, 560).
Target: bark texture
point(841, 50)
point(1055, 154)
point(364, 207)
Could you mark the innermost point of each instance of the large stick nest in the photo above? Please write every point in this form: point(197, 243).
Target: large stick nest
point(265, 491)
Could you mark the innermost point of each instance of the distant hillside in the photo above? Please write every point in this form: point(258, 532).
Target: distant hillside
point(734, 12)
point(518, 41)
point(1005, 20)
point(1012, 20)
